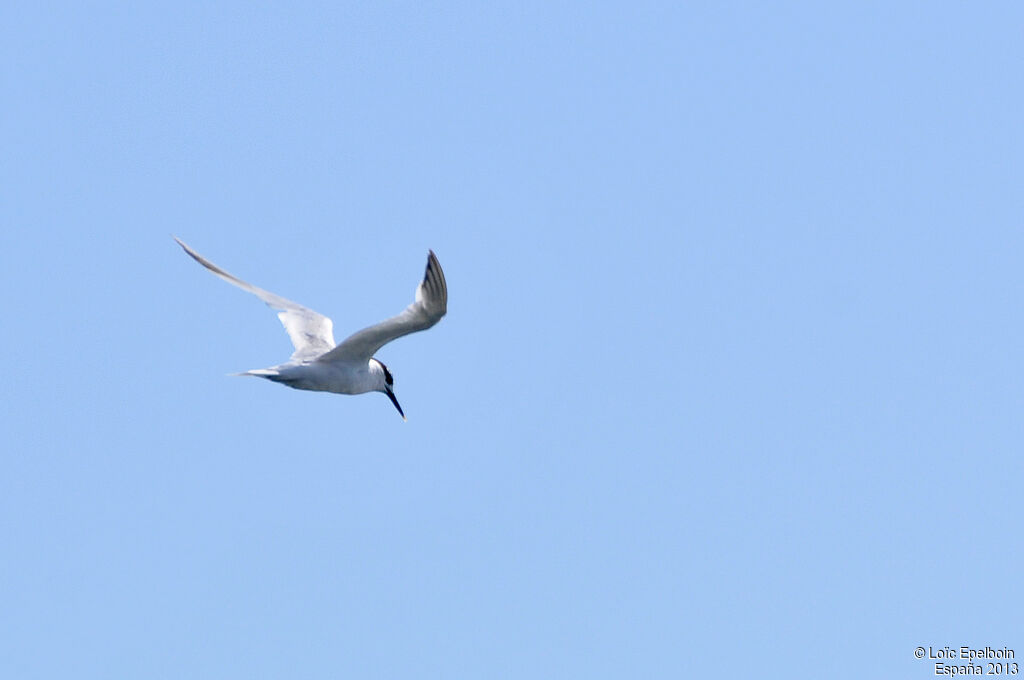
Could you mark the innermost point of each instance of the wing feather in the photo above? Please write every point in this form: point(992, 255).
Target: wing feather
point(431, 303)
point(311, 333)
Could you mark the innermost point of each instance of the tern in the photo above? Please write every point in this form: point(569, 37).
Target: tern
point(349, 368)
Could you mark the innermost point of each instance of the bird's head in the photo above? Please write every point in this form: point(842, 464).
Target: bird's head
point(386, 383)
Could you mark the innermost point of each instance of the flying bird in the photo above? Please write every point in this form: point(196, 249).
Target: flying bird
point(349, 368)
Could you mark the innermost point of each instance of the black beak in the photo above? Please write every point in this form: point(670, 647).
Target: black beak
point(391, 396)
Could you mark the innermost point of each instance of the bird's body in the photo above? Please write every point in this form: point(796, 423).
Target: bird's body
point(319, 364)
point(317, 376)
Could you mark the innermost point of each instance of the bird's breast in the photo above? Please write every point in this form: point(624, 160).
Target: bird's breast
point(325, 377)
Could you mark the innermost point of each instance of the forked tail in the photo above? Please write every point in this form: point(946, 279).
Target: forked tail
point(270, 373)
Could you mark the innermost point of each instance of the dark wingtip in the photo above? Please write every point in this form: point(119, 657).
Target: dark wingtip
point(184, 246)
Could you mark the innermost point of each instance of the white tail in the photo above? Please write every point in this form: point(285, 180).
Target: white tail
point(258, 373)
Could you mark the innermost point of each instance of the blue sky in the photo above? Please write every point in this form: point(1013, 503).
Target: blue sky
point(730, 382)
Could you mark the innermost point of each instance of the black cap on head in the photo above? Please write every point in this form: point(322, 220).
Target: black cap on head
point(389, 379)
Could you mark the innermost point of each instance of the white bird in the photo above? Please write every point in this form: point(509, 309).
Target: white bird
point(349, 368)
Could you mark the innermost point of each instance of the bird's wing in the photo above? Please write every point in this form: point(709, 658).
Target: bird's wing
point(311, 333)
point(430, 305)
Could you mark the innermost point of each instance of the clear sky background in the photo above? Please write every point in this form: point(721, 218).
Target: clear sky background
point(730, 383)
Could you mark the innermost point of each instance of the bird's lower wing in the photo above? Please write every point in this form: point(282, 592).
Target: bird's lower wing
point(311, 333)
point(431, 304)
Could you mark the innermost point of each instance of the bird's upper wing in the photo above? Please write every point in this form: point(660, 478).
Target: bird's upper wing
point(311, 333)
point(430, 305)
